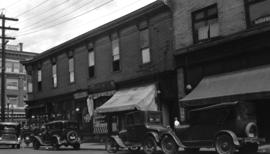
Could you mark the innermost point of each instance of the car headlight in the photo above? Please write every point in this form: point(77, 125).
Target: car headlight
point(0, 138)
point(251, 130)
point(19, 139)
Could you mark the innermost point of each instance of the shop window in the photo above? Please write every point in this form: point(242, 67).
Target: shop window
point(71, 70)
point(205, 23)
point(91, 59)
point(115, 52)
point(39, 80)
point(12, 84)
point(257, 12)
point(54, 75)
point(145, 46)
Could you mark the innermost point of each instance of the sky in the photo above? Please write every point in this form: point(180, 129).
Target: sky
point(44, 24)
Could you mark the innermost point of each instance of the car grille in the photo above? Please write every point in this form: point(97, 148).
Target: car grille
point(9, 137)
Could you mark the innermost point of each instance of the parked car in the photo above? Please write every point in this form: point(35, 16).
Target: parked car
point(58, 133)
point(142, 129)
point(225, 126)
point(10, 134)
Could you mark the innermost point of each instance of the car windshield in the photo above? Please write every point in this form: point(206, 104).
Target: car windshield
point(71, 125)
point(154, 118)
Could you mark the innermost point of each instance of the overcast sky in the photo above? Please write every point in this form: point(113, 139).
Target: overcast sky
point(44, 24)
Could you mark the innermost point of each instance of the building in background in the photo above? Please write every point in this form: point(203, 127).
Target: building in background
point(17, 82)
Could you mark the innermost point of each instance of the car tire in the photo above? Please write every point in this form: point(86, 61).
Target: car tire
point(55, 144)
point(111, 146)
point(36, 144)
point(134, 149)
point(72, 133)
point(149, 145)
point(168, 145)
point(249, 148)
point(224, 144)
point(76, 146)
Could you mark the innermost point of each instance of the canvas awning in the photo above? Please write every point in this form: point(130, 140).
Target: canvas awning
point(136, 98)
point(241, 85)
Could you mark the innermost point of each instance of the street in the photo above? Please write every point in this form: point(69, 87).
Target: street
point(93, 148)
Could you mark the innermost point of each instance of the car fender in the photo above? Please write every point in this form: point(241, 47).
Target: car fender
point(57, 138)
point(175, 138)
point(232, 134)
point(118, 140)
point(154, 135)
point(39, 140)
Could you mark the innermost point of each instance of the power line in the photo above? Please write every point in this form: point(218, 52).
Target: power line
point(38, 5)
point(12, 4)
point(43, 21)
point(59, 23)
point(46, 11)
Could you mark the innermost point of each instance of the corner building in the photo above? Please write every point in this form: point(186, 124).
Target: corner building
point(74, 78)
point(222, 54)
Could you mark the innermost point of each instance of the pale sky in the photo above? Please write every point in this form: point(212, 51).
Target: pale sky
point(44, 24)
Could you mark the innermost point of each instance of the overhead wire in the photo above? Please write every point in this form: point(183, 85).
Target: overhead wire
point(59, 23)
point(43, 21)
point(38, 5)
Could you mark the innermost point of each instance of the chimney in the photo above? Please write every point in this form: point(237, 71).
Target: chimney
point(21, 46)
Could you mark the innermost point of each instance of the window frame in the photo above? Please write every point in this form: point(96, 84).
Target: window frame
point(142, 47)
point(206, 18)
point(116, 57)
point(54, 75)
point(91, 63)
point(71, 71)
point(39, 79)
point(247, 5)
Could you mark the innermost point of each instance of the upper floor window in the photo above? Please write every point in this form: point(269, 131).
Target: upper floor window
point(30, 87)
point(12, 84)
point(91, 60)
point(54, 75)
point(71, 69)
point(258, 11)
point(39, 80)
point(8, 67)
point(115, 52)
point(205, 23)
point(145, 45)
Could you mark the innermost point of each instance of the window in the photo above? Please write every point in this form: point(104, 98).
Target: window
point(257, 12)
point(91, 59)
point(13, 100)
point(8, 67)
point(54, 75)
point(39, 80)
point(144, 43)
point(16, 67)
point(71, 69)
point(30, 87)
point(205, 23)
point(115, 52)
point(12, 84)
point(25, 85)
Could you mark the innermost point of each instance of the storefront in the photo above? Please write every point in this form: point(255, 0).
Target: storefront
point(236, 68)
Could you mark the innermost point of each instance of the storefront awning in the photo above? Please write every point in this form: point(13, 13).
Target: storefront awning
point(241, 85)
point(137, 98)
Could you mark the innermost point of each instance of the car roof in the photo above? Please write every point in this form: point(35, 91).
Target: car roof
point(60, 121)
point(10, 123)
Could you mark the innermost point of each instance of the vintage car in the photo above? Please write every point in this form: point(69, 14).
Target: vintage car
point(141, 129)
point(10, 134)
point(225, 126)
point(58, 133)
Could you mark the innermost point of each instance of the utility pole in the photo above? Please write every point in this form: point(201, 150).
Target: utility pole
point(3, 76)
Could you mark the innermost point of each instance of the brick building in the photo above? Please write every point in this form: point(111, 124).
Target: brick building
point(135, 50)
point(16, 82)
point(221, 50)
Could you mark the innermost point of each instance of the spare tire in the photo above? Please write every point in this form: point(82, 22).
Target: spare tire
point(72, 137)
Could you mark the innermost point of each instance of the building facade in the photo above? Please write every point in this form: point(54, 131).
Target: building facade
point(17, 82)
point(221, 48)
point(134, 50)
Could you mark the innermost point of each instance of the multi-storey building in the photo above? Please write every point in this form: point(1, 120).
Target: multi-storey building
point(222, 53)
point(17, 82)
point(133, 51)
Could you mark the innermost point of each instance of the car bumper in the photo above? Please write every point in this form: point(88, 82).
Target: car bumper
point(3, 142)
point(251, 140)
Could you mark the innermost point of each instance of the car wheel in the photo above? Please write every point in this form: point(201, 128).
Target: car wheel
point(224, 144)
point(55, 144)
point(111, 146)
point(134, 149)
point(249, 148)
point(149, 145)
point(36, 144)
point(76, 146)
point(168, 145)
